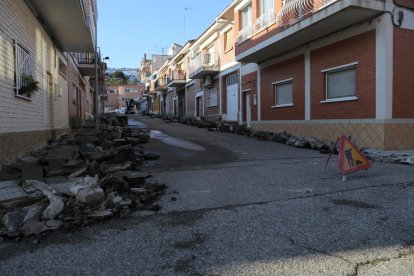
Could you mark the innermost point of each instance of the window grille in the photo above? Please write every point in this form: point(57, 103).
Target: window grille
point(23, 68)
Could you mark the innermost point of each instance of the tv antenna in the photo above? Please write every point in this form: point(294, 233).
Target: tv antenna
point(185, 23)
point(162, 50)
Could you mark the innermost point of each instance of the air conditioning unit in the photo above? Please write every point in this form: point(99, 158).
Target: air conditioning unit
point(208, 81)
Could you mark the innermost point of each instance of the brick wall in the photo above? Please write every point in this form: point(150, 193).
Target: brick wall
point(249, 81)
point(406, 3)
point(403, 96)
point(293, 68)
point(213, 110)
point(113, 100)
point(260, 36)
point(73, 85)
point(361, 49)
point(190, 101)
point(170, 102)
point(227, 55)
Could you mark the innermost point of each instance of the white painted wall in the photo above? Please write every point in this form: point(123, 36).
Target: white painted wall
point(16, 114)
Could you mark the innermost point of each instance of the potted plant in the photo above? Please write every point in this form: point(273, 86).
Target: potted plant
point(30, 86)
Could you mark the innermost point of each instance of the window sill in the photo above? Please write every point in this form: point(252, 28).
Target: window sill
point(344, 99)
point(23, 97)
point(282, 105)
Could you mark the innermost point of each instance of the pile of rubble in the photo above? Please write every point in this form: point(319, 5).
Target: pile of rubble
point(304, 142)
point(87, 175)
point(398, 157)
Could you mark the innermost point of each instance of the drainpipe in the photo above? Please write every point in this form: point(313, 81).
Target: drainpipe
point(240, 104)
point(96, 76)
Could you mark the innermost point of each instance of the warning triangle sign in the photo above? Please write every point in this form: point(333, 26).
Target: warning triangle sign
point(350, 158)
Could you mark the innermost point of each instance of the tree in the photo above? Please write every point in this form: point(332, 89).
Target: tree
point(118, 78)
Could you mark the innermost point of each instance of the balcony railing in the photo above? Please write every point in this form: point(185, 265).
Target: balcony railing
point(177, 78)
point(292, 12)
point(244, 34)
point(295, 10)
point(204, 64)
point(265, 21)
point(161, 82)
point(86, 58)
point(178, 75)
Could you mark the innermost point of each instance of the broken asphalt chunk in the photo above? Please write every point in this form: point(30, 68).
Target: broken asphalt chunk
point(150, 156)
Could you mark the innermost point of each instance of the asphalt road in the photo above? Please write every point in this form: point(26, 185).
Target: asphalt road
point(243, 207)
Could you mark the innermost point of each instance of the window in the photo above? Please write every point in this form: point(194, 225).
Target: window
point(211, 97)
point(228, 41)
point(341, 83)
point(266, 6)
point(246, 26)
point(283, 93)
point(232, 79)
point(246, 17)
point(266, 15)
point(127, 90)
point(24, 79)
point(112, 91)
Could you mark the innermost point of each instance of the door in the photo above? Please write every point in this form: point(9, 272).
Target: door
point(248, 111)
point(199, 106)
point(232, 88)
point(181, 104)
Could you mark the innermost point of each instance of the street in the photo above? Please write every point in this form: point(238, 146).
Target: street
point(238, 206)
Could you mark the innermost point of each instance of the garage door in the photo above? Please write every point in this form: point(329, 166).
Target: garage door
point(232, 88)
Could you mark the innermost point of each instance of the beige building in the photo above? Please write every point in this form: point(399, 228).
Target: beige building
point(214, 89)
point(30, 58)
point(119, 94)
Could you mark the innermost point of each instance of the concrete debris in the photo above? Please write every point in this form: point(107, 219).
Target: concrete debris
point(101, 214)
point(85, 176)
point(13, 220)
point(90, 194)
point(150, 156)
point(79, 172)
point(56, 204)
point(398, 157)
point(33, 227)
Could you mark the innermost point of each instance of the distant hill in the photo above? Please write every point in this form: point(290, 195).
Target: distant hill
point(132, 73)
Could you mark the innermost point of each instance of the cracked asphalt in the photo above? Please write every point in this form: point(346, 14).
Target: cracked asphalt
point(240, 207)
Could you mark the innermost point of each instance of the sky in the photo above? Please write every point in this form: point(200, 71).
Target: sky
point(129, 28)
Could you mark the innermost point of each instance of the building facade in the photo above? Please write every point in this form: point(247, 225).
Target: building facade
point(33, 70)
point(119, 95)
point(325, 67)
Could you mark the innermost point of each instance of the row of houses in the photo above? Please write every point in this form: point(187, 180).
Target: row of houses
point(309, 67)
point(49, 71)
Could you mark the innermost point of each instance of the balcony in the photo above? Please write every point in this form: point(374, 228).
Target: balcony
point(86, 64)
point(302, 21)
point(244, 34)
point(161, 84)
point(66, 22)
point(265, 21)
point(204, 64)
point(178, 78)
